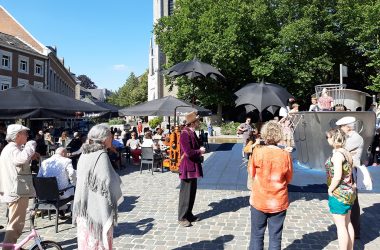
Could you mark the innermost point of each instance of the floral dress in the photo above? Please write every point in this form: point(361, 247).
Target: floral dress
point(344, 192)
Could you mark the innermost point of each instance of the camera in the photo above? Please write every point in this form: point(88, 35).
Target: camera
point(262, 142)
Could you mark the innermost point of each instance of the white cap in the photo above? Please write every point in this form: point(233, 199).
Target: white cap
point(15, 128)
point(345, 120)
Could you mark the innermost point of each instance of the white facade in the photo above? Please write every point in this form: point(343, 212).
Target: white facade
point(156, 87)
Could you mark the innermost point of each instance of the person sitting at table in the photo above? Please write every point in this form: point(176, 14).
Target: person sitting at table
point(114, 151)
point(64, 140)
point(60, 166)
point(154, 144)
point(158, 135)
point(134, 146)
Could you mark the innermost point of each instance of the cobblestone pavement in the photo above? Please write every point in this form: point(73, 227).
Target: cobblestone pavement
point(148, 218)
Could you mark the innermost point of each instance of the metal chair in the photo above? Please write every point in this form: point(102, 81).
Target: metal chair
point(47, 196)
point(147, 158)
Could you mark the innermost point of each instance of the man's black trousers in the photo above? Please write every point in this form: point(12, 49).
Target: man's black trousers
point(187, 192)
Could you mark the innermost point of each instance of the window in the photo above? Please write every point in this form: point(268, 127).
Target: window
point(22, 82)
point(4, 86)
point(5, 82)
point(38, 68)
point(23, 63)
point(170, 7)
point(6, 60)
point(39, 85)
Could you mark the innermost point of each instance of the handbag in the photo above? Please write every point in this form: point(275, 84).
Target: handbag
point(24, 185)
point(363, 178)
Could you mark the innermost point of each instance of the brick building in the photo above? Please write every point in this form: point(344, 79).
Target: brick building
point(24, 60)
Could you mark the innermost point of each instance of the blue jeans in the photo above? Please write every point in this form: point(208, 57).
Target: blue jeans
point(259, 221)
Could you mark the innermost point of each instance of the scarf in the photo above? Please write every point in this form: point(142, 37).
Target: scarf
point(97, 193)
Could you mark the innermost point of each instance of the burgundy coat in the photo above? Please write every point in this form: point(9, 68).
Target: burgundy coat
point(190, 166)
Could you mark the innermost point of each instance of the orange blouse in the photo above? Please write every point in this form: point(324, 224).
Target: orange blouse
point(272, 171)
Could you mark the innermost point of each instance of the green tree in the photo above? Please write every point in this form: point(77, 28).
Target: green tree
point(86, 82)
point(359, 26)
point(134, 91)
point(295, 43)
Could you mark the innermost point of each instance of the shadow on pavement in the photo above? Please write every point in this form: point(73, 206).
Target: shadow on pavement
point(225, 147)
point(225, 206)
point(370, 228)
point(317, 240)
point(69, 244)
point(217, 243)
point(293, 196)
point(128, 204)
point(311, 188)
point(140, 227)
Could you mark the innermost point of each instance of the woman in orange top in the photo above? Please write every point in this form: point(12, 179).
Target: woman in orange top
point(271, 170)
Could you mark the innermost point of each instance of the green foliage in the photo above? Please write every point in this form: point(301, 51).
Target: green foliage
point(86, 82)
point(153, 123)
point(295, 43)
point(134, 91)
point(229, 128)
point(116, 121)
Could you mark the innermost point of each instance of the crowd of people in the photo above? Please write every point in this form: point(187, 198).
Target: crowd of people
point(98, 186)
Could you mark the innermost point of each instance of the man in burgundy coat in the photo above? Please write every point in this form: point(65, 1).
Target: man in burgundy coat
point(190, 169)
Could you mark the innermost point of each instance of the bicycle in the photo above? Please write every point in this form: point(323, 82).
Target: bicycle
point(39, 244)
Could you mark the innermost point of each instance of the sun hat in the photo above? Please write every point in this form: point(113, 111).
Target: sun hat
point(191, 117)
point(345, 120)
point(15, 128)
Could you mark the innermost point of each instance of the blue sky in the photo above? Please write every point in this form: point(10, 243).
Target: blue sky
point(105, 40)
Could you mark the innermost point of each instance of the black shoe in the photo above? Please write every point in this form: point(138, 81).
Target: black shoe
point(185, 223)
point(1, 227)
point(194, 218)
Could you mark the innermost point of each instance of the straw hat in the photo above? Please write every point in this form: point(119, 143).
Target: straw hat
point(191, 117)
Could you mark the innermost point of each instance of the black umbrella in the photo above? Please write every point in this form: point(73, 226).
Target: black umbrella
point(262, 95)
point(193, 69)
point(163, 107)
point(114, 110)
point(272, 109)
point(30, 102)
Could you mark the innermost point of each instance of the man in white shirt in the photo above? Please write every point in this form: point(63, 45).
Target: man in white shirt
point(14, 166)
point(60, 167)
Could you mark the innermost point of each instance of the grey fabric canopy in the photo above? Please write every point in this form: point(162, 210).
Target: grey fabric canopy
point(30, 102)
point(163, 107)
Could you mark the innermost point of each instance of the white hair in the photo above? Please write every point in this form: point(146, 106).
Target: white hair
point(10, 137)
point(96, 137)
point(60, 151)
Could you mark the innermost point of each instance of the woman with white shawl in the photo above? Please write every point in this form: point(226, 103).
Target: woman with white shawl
point(98, 192)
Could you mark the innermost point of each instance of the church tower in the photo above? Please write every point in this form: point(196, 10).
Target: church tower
point(156, 86)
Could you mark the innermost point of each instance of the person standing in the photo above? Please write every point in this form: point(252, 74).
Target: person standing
point(14, 164)
point(245, 129)
point(314, 105)
point(340, 187)
point(98, 192)
point(272, 171)
point(354, 144)
point(190, 169)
